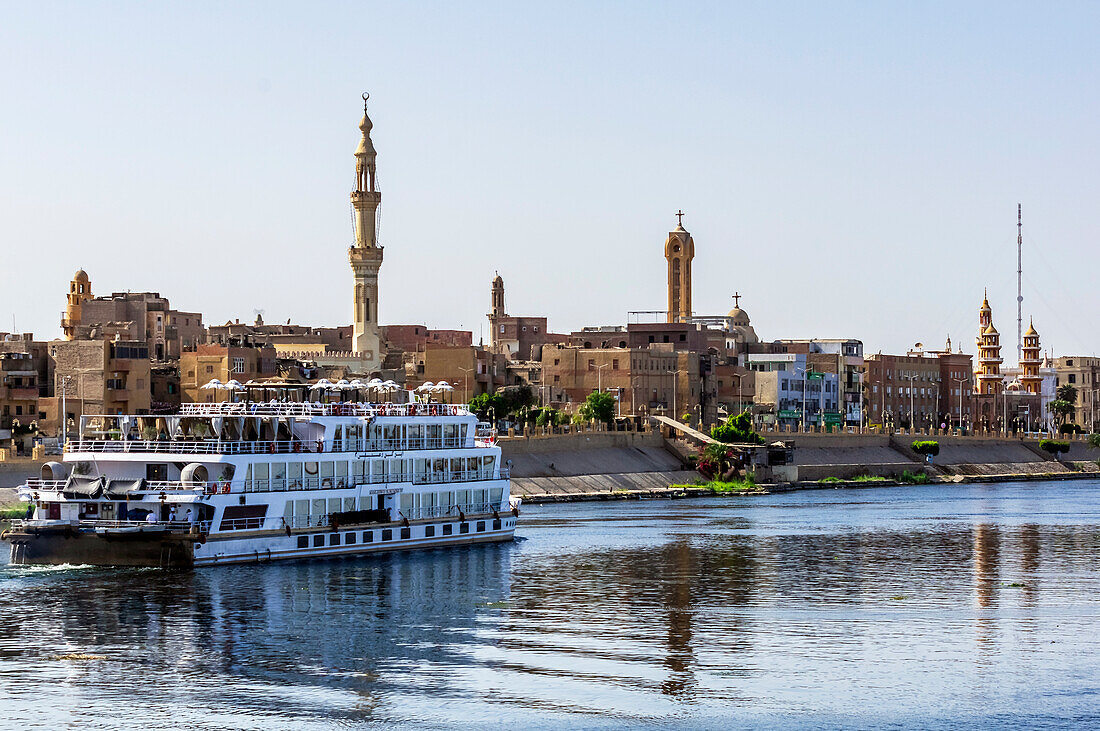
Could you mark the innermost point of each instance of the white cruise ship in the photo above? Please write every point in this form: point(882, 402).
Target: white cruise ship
point(236, 482)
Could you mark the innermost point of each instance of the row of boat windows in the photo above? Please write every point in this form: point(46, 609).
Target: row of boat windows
point(360, 437)
point(337, 473)
point(411, 504)
point(386, 534)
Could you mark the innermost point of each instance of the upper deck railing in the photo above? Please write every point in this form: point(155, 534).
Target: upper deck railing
point(311, 409)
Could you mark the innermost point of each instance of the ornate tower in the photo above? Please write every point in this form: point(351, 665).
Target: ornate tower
point(1030, 362)
point(496, 311)
point(988, 373)
point(80, 291)
point(679, 251)
point(365, 254)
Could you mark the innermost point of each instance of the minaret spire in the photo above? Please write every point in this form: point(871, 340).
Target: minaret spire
point(1019, 280)
point(365, 255)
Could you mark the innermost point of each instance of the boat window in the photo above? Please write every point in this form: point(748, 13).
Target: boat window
point(260, 473)
point(317, 507)
point(450, 434)
point(429, 531)
point(358, 467)
point(496, 524)
point(406, 503)
point(435, 435)
point(496, 495)
point(368, 536)
point(278, 476)
point(416, 436)
point(288, 512)
point(335, 505)
point(387, 534)
point(480, 526)
point(471, 464)
point(318, 540)
point(457, 464)
point(462, 498)
point(294, 475)
point(341, 469)
point(327, 469)
point(334, 539)
point(349, 504)
point(464, 528)
point(349, 538)
point(303, 541)
point(406, 532)
point(448, 529)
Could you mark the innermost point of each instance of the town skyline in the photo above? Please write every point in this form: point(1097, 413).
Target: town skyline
point(562, 190)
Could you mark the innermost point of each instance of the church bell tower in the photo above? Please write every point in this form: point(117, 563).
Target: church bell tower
point(365, 255)
point(679, 251)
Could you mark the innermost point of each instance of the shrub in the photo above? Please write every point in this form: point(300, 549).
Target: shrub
point(1094, 441)
point(926, 447)
point(913, 478)
point(829, 480)
point(1070, 429)
point(1051, 446)
point(736, 430)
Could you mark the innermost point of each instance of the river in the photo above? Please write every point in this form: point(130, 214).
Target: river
point(934, 606)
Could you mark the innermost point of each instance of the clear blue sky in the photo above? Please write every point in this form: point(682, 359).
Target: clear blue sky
point(852, 169)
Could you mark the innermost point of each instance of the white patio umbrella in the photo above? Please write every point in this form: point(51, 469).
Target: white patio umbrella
point(443, 387)
point(213, 385)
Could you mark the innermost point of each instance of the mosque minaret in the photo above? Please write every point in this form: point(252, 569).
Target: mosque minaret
point(365, 254)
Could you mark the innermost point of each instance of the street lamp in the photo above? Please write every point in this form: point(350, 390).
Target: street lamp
point(599, 376)
point(675, 384)
point(739, 376)
point(803, 424)
point(961, 381)
point(466, 383)
point(912, 379)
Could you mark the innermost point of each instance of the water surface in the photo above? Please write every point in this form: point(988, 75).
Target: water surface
point(930, 606)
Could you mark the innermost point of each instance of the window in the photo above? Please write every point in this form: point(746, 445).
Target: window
point(557, 361)
point(481, 526)
point(448, 529)
point(387, 535)
point(318, 540)
point(368, 536)
point(209, 369)
point(406, 533)
point(464, 528)
point(557, 378)
point(334, 539)
point(349, 538)
point(683, 337)
point(591, 364)
point(496, 524)
point(1072, 378)
point(429, 531)
point(303, 541)
point(238, 365)
point(502, 328)
point(615, 364)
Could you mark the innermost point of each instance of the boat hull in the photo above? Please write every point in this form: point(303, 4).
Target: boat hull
point(67, 545)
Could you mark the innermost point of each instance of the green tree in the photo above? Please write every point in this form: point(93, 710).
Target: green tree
point(549, 416)
point(1061, 408)
point(1094, 441)
point(598, 407)
point(486, 404)
point(736, 430)
point(1066, 393)
point(1053, 447)
point(926, 447)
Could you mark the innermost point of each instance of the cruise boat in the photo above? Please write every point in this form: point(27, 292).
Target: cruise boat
point(240, 482)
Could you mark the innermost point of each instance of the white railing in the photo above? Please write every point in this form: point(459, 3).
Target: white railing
point(91, 524)
point(452, 511)
point(221, 446)
point(309, 408)
point(295, 484)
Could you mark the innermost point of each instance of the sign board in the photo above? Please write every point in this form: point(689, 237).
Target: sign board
point(832, 418)
point(815, 375)
point(789, 414)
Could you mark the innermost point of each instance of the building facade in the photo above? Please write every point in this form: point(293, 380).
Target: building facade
point(679, 252)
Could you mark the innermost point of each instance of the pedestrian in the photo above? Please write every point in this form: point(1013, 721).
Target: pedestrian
point(172, 514)
point(151, 517)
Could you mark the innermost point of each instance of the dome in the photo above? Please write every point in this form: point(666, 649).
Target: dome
point(738, 316)
point(80, 276)
point(990, 330)
point(1031, 330)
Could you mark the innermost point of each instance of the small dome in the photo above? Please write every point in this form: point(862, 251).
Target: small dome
point(990, 330)
point(738, 316)
point(80, 276)
point(1031, 329)
point(365, 125)
point(498, 280)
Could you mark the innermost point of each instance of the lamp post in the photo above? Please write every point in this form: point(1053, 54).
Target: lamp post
point(912, 378)
point(675, 384)
point(64, 415)
point(599, 377)
point(961, 381)
point(466, 383)
point(740, 406)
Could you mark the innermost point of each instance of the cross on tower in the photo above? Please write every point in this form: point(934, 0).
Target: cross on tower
point(737, 299)
point(679, 218)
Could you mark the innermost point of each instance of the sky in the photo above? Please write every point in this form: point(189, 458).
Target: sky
point(852, 169)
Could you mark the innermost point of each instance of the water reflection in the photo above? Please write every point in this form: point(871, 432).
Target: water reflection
point(806, 607)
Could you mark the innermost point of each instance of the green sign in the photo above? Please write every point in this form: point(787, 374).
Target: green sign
point(815, 375)
point(789, 414)
point(832, 418)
